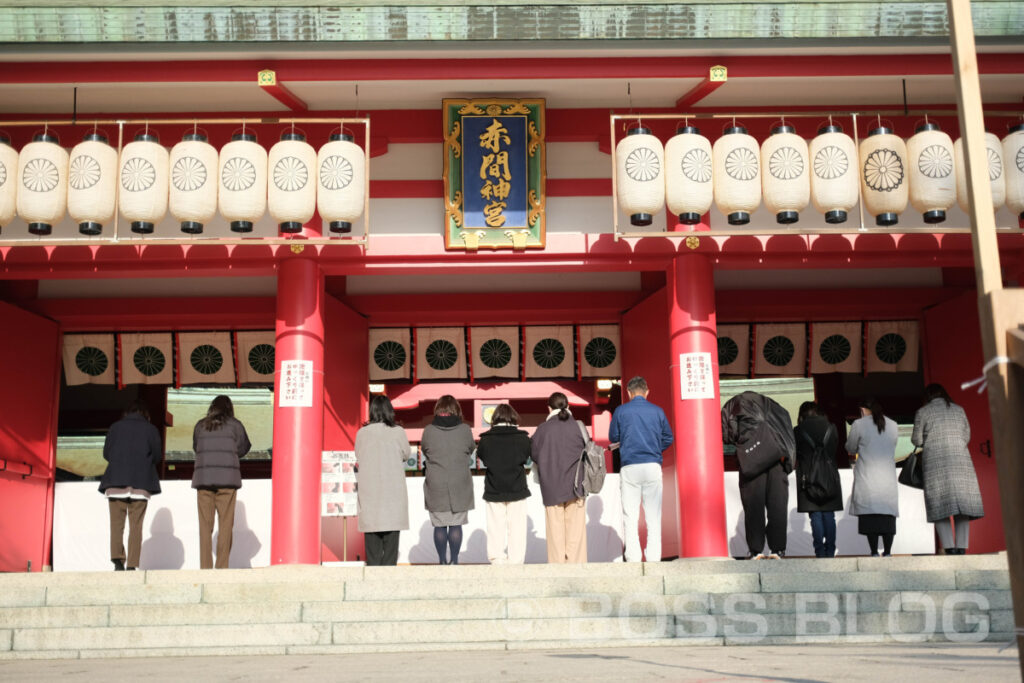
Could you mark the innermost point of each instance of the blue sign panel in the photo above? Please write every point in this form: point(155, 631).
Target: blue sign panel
point(494, 172)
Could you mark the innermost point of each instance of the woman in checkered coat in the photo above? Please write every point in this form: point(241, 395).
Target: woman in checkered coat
point(950, 484)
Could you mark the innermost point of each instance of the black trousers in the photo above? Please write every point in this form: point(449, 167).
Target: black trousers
point(767, 491)
point(381, 548)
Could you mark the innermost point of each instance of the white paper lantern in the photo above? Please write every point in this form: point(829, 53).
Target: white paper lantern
point(243, 182)
point(997, 172)
point(1013, 156)
point(639, 160)
point(8, 181)
point(834, 188)
point(92, 183)
point(43, 187)
point(291, 192)
point(883, 163)
point(143, 193)
point(736, 160)
point(932, 181)
point(688, 188)
point(341, 182)
point(193, 188)
point(785, 182)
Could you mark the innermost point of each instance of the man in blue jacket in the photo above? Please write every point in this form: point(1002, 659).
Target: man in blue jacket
point(642, 432)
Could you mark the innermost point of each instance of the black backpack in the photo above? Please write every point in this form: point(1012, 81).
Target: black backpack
point(819, 478)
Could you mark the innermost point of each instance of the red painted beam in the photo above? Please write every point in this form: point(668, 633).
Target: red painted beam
point(115, 315)
point(748, 305)
point(698, 93)
point(355, 70)
point(285, 96)
point(477, 308)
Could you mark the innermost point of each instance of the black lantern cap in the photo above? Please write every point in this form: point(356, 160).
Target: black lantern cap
point(784, 128)
point(689, 218)
point(143, 227)
point(787, 217)
point(194, 137)
point(641, 219)
point(4, 139)
point(191, 227)
point(241, 226)
point(887, 219)
point(40, 228)
point(95, 136)
point(830, 128)
point(932, 217)
point(91, 228)
point(290, 227)
point(340, 226)
point(688, 130)
point(146, 137)
point(927, 125)
point(335, 137)
point(739, 218)
point(45, 137)
point(833, 217)
point(880, 130)
point(248, 137)
point(639, 130)
point(732, 130)
point(1017, 128)
point(293, 135)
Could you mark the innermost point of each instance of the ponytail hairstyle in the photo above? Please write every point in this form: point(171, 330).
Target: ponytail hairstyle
point(558, 401)
point(877, 414)
point(934, 391)
point(220, 410)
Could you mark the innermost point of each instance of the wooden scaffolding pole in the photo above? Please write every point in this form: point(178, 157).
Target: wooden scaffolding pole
point(1001, 310)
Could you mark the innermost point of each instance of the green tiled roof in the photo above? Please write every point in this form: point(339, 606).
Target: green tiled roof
point(46, 23)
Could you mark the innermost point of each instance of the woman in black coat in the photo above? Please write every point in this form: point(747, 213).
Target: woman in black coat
point(504, 450)
point(132, 450)
point(812, 431)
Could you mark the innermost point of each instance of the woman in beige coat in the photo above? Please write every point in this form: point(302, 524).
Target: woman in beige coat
point(381, 451)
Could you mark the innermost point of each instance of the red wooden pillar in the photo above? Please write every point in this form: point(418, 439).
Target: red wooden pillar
point(298, 413)
point(700, 472)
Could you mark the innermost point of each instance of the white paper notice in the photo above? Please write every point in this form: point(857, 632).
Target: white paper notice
point(296, 384)
point(695, 376)
point(338, 496)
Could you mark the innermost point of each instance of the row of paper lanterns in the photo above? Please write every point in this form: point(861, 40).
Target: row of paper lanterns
point(192, 181)
point(831, 173)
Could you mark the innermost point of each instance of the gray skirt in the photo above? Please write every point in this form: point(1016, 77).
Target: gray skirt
point(449, 518)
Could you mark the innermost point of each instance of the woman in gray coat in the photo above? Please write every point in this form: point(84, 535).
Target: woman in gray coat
point(447, 445)
point(950, 483)
point(219, 440)
point(381, 451)
point(875, 500)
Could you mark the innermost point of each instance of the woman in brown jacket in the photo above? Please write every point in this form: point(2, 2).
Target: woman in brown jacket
point(219, 440)
point(557, 447)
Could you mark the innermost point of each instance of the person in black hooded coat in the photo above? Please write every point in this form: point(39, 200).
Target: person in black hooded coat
point(814, 429)
point(756, 425)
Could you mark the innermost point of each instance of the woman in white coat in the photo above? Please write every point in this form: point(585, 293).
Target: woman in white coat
point(875, 500)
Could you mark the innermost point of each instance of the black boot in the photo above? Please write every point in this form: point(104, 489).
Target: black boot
point(118, 565)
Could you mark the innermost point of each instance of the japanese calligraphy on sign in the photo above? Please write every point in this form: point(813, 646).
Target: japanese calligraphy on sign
point(696, 376)
point(338, 485)
point(494, 174)
point(296, 384)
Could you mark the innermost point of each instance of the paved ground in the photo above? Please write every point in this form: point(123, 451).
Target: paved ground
point(797, 663)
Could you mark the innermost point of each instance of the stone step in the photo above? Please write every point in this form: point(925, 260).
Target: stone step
point(312, 609)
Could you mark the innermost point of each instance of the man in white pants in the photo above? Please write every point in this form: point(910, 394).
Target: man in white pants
point(643, 432)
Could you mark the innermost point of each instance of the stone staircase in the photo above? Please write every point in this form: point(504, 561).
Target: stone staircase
point(320, 610)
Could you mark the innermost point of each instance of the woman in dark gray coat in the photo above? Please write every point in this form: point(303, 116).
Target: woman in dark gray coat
point(447, 445)
point(950, 483)
point(381, 451)
point(219, 440)
point(133, 451)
